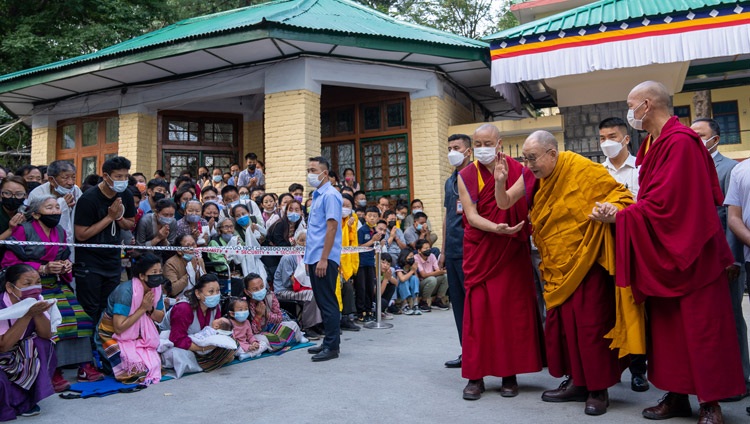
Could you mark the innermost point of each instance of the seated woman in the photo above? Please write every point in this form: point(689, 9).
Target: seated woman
point(266, 317)
point(222, 239)
point(292, 268)
point(158, 228)
point(408, 282)
point(127, 336)
point(183, 269)
point(210, 212)
point(249, 234)
point(190, 316)
point(73, 338)
point(192, 223)
point(27, 357)
point(283, 232)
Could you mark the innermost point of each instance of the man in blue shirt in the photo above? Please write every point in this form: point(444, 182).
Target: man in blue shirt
point(323, 254)
point(252, 176)
point(459, 155)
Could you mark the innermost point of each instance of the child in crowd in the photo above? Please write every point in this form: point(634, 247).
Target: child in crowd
point(408, 282)
point(388, 283)
point(242, 331)
point(364, 284)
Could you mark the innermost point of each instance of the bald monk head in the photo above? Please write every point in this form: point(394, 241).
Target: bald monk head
point(649, 103)
point(540, 153)
point(485, 137)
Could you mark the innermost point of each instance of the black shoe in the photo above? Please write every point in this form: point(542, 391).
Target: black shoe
point(349, 325)
point(315, 349)
point(639, 383)
point(312, 334)
point(325, 355)
point(454, 363)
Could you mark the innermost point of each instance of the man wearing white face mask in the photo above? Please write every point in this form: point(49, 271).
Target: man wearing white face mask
point(614, 141)
point(710, 133)
point(459, 155)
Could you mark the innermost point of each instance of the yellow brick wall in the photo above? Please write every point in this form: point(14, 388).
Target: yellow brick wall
point(252, 139)
point(137, 142)
point(292, 135)
point(430, 120)
point(43, 145)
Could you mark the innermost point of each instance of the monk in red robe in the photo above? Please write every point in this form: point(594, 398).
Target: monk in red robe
point(502, 332)
point(577, 266)
point(672, 240)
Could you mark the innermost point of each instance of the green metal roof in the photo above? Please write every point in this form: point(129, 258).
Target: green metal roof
point(319, 20)
point(604, 12)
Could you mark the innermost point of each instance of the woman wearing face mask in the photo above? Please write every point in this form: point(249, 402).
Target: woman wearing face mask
point(24, 381)
point(210, 212)
point(224, 237)
point(282, 233)
point(126, 335)
point(266, 317)
point(183, 269)
point(248, 235)
point(73, 339)
point(190, 316)
point(216, 181)
point(158, 228)
point(349, 263)
point(181, 199)
point(192, 223)
point(12, 195)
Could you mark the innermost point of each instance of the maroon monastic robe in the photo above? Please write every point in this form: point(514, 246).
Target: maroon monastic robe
point(672, 240)
point(501, 328)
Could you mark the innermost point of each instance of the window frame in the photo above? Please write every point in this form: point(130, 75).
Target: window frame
point(101, 150)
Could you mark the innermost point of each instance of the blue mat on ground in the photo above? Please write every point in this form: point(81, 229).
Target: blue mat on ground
point(104, 387)
point(109, 386)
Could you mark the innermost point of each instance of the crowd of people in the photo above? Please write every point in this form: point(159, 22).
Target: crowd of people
point(157, 299)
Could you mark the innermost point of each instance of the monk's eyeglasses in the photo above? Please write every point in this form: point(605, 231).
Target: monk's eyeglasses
point(533, 159)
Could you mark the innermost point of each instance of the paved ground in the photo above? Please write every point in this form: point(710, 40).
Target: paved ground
point(391, 376)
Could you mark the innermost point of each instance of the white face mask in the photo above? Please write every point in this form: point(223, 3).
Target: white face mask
point(455, 158)
point(636, 123)
point(705, 142)
point(313, 180)
point(346, 212)
point(485, 155)
point(611, 148)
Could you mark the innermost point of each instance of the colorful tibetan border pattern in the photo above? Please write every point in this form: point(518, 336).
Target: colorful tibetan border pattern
point(678, 22)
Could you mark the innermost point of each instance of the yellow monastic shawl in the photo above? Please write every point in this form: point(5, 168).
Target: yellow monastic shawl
point(349, 262)
point(570, 243)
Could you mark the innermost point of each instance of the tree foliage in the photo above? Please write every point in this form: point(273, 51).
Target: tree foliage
point(38, 32)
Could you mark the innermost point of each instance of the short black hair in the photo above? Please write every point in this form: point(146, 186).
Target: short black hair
point(614, 122)
point(250, 277)
point(711, 124)
point(420, 243)
point(387, 214)
point(22, 171)
point(347, 189)
point(158, 182)
point(372, 209)
point(251, 156)
point(360, 209)
point(115, 164)
point(322, 161)
point(206, 189)
point(160, 173)
point(387, 258)
point(164, 204)
point(144, 262)
point(382, 221)
point(348, 197)
point(419, 215)
point(466, 139)
point(415, 201)
point(296, 186)
point(136, 174)
point(358, 192)
point(227, 189)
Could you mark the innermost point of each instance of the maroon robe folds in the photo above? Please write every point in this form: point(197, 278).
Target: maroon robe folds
point(673, 241)
point(502, 333)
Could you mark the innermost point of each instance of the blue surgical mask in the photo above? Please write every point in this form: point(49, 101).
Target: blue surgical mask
point(62, 191)
point(183, 205)
point(212, 301)
point(166, 220)
point(241, 316)
point(227, 237)
point(260, 294)
point(193, 218)
point(244, 197)
point(243, 221)
point(419, 227)
point(188, 256)
point(293, 216)
point(217, 178)
point(119, 186)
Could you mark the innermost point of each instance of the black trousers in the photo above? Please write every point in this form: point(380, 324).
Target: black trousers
point(388, 292)
point(456, 291)
point(93, 289)
point(324, 290)
point(348, 298)
point(364, 285)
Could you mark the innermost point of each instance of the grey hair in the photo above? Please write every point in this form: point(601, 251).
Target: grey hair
point(59, 166)
point(35, 205)
point(545, 138)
